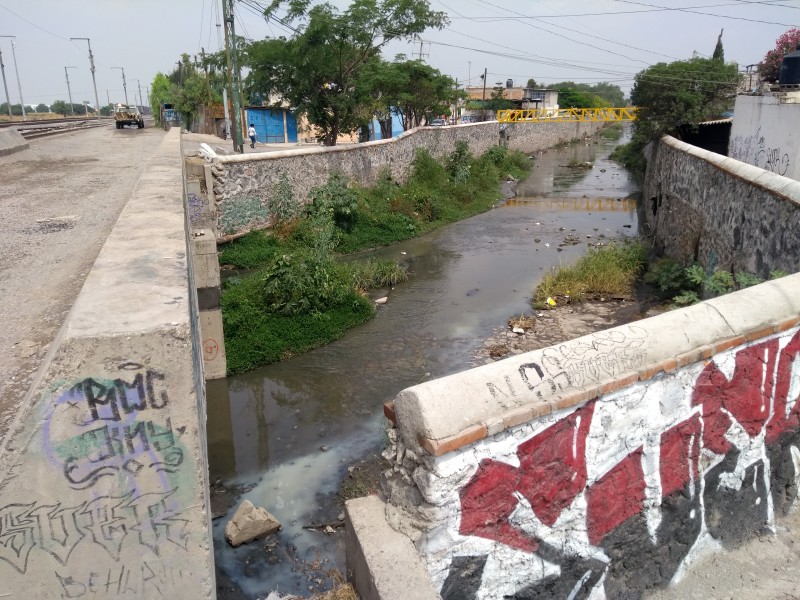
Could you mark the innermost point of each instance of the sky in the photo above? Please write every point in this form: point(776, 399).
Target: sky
point(548, 40)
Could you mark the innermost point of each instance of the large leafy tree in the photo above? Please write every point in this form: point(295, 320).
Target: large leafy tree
point(684, 92)
point(585, 95)
point(161, 91)
point(320, 69)
point(411, 89)
point(770, 67)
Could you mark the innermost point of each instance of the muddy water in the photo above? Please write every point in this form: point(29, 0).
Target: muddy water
point(292, 428)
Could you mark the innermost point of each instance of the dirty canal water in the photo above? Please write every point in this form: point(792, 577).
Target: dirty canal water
point(286, 433)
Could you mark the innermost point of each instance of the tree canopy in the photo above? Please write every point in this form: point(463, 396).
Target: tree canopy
point(585, 95)
point(770, 66)
point(682, 92)
point(321, 70)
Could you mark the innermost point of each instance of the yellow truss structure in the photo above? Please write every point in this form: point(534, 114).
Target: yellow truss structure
point(561, 115)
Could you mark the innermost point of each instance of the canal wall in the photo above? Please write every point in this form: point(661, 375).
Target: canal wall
point(103, 476)
point(704, 207)
point(605, 464)
point(243, 184)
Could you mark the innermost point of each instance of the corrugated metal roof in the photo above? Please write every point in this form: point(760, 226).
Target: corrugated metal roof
point(717, 122)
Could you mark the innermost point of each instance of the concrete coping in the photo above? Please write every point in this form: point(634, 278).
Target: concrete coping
point(778, 185)
point(445, 414)
point(238, 158)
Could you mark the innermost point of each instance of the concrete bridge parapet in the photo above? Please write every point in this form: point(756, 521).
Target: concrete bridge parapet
point(103, 476)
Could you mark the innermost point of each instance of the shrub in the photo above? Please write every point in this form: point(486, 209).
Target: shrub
point(458, 163)
point(336, 199)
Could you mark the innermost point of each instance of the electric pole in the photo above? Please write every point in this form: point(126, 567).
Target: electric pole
point(5, 85)
point(139, 85)
point(16, 69)
point(124, 85)
point(483, 102)
point(91, 68)
point(69, 91)
point(225, 87)
point(233, 73)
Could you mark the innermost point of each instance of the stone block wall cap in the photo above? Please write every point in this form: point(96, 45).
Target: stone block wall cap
point(444, 414)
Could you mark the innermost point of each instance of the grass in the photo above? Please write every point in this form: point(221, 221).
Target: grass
point(255, 335)
point(610, 270)
point(612, 132)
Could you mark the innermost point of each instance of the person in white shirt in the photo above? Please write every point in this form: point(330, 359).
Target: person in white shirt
point(252, 133)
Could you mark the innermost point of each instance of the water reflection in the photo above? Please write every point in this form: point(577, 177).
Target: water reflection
point(293, 427)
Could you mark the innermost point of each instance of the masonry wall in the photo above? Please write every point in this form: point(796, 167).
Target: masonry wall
point(699, 206)
point(606, 464)
point(243, 184)
point(103, 477)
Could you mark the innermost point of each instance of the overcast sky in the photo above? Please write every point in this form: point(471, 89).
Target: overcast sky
point(549, 40)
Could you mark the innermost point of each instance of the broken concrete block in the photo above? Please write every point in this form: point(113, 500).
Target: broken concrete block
point(249, 523)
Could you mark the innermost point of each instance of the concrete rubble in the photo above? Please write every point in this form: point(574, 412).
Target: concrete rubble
point(249, 523)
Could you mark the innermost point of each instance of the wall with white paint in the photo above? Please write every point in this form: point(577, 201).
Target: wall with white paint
point(765, 132)
point(604, 465)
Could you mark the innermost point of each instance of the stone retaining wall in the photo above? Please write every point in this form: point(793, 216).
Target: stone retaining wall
point(608, 463)
point(104, 475)
point(704, 207)
point(243, 183)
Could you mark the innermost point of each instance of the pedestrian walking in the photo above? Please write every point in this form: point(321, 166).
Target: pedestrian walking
point(252, 133)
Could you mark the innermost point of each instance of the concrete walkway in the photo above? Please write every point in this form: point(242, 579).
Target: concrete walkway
point(58, 205)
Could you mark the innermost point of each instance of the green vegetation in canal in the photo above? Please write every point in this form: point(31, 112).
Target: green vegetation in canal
point(686, 285)
point(607, 271)
point(299, 296)
point(613, 132)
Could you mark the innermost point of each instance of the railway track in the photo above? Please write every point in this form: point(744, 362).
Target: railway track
point(33, 129)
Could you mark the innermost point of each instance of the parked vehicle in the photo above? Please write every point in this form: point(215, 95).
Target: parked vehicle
point(437, 123)
point(128, 115)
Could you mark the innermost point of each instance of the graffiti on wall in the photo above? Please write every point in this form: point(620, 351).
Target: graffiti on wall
point(617, 493)
point(754, 150)
point(113, 443)
point(196, 204)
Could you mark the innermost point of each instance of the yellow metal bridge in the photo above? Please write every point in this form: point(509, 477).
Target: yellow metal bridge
point(562, 115)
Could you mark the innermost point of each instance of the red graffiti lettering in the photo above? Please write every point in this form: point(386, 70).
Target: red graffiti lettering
point(615, 497)
point(746, 396)
point(680, 450)
point(551, 474)
point(785, 419)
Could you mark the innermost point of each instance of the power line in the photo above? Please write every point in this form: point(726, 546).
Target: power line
point(697, 12)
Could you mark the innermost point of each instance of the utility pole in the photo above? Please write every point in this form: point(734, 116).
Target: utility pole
point(139, 85)
point(108, 98)
point(205, 70)
point(147, 91)
point(5, 85)
point(483, 102)
point(124, 85)
point(69, 91)
point(16, 69)
point(224, 87)
point(233, 73)
point(91, 68)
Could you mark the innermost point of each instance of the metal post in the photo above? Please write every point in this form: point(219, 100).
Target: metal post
point(5, 85)
point(69, 91)
point(16, 69)
point(224, 88)
point(91, 68)
point(233, 74)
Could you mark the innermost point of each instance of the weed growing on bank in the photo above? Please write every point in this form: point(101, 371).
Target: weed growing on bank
point(299, 296)
point(612, 132)
point(686, 285)
point(608, 271)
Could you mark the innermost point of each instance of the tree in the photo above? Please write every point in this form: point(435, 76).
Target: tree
point(604, 94)
point(770, 66)
point(60, 107)
point(719, 53)
point(161, 91)
point(682, 92)
point(319, 70)
point(532, 83)
point(42, 108)
point(410, 89)
point(107, 111)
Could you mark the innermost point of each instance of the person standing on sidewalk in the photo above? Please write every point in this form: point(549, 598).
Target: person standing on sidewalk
point(252, 133)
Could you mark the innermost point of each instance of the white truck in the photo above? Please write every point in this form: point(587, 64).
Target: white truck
point(128, 115)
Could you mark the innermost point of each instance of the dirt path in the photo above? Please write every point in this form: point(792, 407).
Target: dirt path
point(59, 201)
